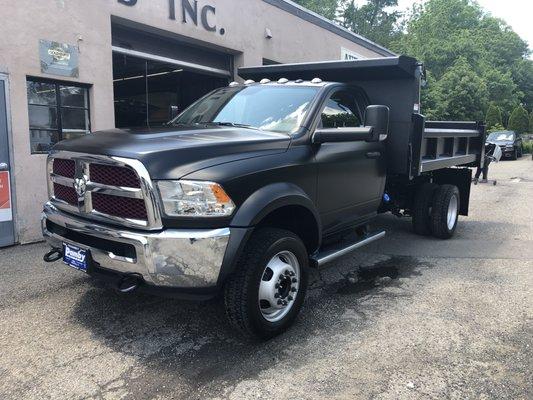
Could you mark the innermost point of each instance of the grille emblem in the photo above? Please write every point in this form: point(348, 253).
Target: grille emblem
point(80, 186)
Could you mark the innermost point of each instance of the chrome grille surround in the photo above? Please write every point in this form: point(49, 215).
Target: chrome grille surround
point(85, 208)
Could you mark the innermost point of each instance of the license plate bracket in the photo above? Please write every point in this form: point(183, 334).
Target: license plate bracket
point(76, 257)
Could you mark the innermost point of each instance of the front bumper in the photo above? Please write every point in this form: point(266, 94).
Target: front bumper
point(172, 258)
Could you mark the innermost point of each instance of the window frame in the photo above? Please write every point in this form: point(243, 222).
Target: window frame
point(360, 97)
point(58, 106)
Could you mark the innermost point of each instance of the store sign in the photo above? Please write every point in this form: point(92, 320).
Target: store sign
point(348, 55)
point(191, 12)
point(5, 198)
point(58, 58)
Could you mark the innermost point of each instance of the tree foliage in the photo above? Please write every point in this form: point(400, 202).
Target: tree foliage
point(494, 116)
point(451, 37)
point(326, 8)
point(376, 19)
point(531, 123)
point(519, 120)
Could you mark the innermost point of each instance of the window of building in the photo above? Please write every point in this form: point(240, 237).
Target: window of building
point(57, 111)
point(341, 111)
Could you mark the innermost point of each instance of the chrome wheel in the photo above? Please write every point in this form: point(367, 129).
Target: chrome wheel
point(452, 212)
point(279, 286)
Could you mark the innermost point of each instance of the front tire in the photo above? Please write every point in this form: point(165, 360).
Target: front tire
point(264, 296)
point(445, 211)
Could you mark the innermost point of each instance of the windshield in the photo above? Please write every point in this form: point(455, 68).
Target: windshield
point(501, 136)
point(269, 108)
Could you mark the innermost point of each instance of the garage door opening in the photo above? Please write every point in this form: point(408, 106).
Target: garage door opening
point(146, 90)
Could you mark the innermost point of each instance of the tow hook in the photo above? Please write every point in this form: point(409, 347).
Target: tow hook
point(53, 255)
point(129, 283)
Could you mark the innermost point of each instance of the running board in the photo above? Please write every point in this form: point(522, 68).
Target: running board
point(332, 253)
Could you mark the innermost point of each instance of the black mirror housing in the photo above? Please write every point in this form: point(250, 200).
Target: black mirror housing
point(377, 117)
point(339, 135)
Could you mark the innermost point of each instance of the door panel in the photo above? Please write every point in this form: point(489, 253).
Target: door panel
point(7, 231)
point(351, 175)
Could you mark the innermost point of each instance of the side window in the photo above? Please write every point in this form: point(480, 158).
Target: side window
point(341, 111)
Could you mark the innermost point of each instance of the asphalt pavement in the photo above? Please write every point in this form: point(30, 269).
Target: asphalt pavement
point(407, 317)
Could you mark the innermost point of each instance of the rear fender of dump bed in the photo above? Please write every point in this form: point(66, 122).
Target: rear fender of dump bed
point(460, 177)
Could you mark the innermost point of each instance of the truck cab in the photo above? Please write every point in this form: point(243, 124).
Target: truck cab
point(257, 183)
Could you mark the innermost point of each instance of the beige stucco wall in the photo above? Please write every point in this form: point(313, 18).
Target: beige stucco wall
point(87, 23)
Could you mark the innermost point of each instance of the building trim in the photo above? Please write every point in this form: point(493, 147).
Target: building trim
point(324, 23)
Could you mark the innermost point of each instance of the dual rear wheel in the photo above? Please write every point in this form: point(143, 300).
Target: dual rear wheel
point(436, 210)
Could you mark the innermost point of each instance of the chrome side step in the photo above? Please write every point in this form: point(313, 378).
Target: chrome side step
point(328, 255)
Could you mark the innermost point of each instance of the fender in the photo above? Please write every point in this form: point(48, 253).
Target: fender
point(269, 198)
point(261, 203)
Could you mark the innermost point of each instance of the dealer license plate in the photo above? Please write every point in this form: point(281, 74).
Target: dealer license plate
point(75, 257)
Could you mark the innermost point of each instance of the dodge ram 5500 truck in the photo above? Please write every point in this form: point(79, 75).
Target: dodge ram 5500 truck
point(257, 183)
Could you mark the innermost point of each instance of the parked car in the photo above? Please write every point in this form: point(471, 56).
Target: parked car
point(510, 142)
point(259, 182)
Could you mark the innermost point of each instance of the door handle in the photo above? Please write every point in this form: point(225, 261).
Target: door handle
point(373, 154)
point(3, 166)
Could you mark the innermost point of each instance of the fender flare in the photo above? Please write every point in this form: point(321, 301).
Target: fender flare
point(270, 198)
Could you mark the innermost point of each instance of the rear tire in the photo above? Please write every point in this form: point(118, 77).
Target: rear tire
point(445, 211)
point(422, 209)
point(515, 155)
point(272, 256)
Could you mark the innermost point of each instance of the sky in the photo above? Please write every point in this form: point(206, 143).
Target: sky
point(516, 13)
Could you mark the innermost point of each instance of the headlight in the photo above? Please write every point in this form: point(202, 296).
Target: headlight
point(510, 146)
point(194, 199)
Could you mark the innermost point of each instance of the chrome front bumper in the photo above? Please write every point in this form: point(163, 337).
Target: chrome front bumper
point(169, 258)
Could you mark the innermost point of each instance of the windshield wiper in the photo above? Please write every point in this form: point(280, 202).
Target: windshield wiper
point(231, 124)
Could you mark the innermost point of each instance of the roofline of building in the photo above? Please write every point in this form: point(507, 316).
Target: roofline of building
point(316, 19)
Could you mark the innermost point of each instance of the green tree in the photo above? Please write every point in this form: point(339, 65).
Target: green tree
point(531, 123)
point(376, 19)
point(460, 94)
point(446, 33)
point(496, 128)
point(519, 120)
point(494, 116)
point(326, 8)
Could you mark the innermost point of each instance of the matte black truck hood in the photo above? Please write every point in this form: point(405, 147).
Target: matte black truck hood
point(171, 153)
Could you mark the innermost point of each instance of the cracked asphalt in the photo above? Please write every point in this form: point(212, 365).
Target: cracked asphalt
point(408, 317)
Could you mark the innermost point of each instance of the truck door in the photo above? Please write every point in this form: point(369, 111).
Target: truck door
point(351, 175)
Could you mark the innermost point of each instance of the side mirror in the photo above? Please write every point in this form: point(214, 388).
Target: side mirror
point(173, 112)
point(377, 117)
point(336, 135)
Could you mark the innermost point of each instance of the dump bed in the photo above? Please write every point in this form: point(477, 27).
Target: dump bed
point(414, 146)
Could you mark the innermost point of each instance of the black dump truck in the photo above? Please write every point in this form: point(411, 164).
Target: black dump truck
point(257, 183)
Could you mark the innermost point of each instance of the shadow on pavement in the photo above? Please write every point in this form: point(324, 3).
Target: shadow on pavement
point(189, 346)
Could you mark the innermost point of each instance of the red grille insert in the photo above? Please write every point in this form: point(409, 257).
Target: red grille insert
point(66, 168)
point(114, 176)
point(117, 206)
point(66, 194)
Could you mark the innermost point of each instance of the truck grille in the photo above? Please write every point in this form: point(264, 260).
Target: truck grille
point(104, 188)
point(66, 194)
point(122, 207)
point(66, 168)
point(114, 176)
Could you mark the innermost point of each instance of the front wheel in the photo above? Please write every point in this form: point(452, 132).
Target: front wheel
point(445, 211)
point(264, 296)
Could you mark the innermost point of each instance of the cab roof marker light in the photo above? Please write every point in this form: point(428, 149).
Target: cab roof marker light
point(298, 81)
point(249, 82)
point(316, 81)
point(233, 84)
point(264, 81)
point(283, 80)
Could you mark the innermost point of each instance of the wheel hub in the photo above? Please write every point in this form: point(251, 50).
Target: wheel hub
point(279, 286)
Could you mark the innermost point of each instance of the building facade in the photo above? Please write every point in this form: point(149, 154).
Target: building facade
point(69, 67)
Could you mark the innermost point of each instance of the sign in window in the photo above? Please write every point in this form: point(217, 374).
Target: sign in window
point(5, 198)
